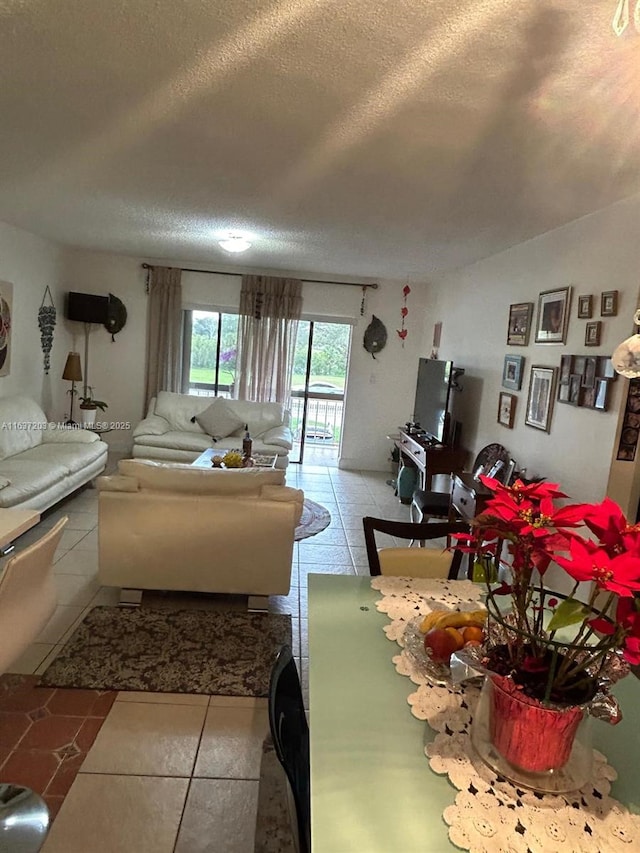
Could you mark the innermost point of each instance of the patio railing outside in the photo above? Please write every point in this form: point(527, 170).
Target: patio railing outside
point(324, 413)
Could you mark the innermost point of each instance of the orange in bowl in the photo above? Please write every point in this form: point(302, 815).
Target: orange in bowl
point(472, 632)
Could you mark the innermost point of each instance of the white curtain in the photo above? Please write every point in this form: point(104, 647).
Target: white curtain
point(164, 332)
point(269, 312)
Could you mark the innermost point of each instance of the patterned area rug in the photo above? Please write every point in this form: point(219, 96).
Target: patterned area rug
point(314, 519)
point(171, 651)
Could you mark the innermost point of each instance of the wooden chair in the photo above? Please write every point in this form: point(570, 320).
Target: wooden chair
point(28, 599)
point(290, 733)
point(412, 562)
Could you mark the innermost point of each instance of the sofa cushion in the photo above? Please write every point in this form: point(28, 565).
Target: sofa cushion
point(259, 416)
point(219, 419)
point(28, 478)
point(178, 409)
point(22, 422)
point(177, 441)
point(176, 477)
point(74, 457)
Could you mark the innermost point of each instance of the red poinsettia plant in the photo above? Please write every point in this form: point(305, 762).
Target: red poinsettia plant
point(564, 640)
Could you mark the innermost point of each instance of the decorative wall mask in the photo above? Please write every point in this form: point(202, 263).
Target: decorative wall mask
point(47, 323)
point(116, 316)
point(402, 332)
point(375, 336)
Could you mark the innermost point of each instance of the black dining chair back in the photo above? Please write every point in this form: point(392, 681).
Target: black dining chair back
point(409, 530)
point(290, 733)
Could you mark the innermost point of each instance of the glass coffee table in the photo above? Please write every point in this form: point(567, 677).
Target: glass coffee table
point(262, 460)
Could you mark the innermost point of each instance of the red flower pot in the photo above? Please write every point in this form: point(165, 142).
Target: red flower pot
point(547, 749)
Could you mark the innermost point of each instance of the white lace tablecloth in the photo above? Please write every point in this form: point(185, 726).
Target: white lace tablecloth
point(490, 814)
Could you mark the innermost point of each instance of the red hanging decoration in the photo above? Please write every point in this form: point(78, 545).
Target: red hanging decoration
point(402, 332)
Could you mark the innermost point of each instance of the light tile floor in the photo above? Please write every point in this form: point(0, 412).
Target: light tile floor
point(179, 773)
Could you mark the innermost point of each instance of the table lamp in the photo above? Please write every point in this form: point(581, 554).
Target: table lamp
point(73, 373)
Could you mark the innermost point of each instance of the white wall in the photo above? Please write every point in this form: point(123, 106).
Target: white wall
point(31, 264)
point(600, 252)
point(380, 391)
point(116, 368)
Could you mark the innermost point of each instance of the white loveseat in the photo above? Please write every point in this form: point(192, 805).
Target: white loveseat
point(175, 526)
point(41, 463)
point(169, 432)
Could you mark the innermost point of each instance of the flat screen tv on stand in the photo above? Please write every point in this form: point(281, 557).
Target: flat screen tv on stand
point(433, 392)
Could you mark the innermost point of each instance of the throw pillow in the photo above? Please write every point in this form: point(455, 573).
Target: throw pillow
point(219, 420)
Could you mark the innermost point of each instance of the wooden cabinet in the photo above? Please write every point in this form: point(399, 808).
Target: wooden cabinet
point(468, 499)
point(429, 459)
point(468, 496)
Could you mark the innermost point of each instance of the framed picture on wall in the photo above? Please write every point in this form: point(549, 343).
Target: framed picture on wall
point(609, 303)
point(519, 324)
point(585, 307)
point(592, 334)
point(602, 395)
point(542, 385)
point(589, 375)
point(575, 389)
point(6, 307)
point(566, 369)
point(507, 409)
point(512, 372)
point(553, 316)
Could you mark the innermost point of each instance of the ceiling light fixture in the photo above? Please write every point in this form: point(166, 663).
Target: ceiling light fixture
point(626, 356)
point(234, 241)
point(621, 17)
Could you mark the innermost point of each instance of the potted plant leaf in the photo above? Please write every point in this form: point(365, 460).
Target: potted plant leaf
point(89, 406)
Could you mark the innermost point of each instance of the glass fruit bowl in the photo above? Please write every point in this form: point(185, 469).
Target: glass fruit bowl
point(413, 640)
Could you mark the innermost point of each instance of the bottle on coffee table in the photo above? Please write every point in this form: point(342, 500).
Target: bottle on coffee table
point(247, 448)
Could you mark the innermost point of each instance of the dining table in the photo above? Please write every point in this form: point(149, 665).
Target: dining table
point(372, 787)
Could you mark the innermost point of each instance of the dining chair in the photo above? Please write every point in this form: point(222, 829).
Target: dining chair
point(413, 562)
point(290, 733)
point(28, 599)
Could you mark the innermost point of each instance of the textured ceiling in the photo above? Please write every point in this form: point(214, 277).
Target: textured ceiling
point(351, 137)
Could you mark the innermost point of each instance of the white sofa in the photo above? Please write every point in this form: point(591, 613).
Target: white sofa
point(169, 434)
point(174, 526)
point(41, 463)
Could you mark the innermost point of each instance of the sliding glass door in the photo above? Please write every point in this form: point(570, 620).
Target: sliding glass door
point(318, 389)
point(318, 385)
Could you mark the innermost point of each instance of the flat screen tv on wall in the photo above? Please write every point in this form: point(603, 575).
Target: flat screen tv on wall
point(433, 390)
point(87, 307)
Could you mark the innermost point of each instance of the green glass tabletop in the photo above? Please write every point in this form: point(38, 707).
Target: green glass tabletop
point(372, 790)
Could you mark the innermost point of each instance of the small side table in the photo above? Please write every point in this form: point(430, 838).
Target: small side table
point(13, 523)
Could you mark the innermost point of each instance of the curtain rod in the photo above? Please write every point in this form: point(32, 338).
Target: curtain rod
point(305, 280)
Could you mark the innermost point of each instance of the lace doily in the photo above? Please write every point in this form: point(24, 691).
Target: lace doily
point(490, 814)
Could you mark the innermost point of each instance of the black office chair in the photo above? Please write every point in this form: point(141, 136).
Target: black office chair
point(427, 504)
point(413, 562)
point(290, 733)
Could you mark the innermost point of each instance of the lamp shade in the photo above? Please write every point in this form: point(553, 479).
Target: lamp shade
point(72, 369)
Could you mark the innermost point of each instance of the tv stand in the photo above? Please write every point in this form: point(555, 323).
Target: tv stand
point(429, 457)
